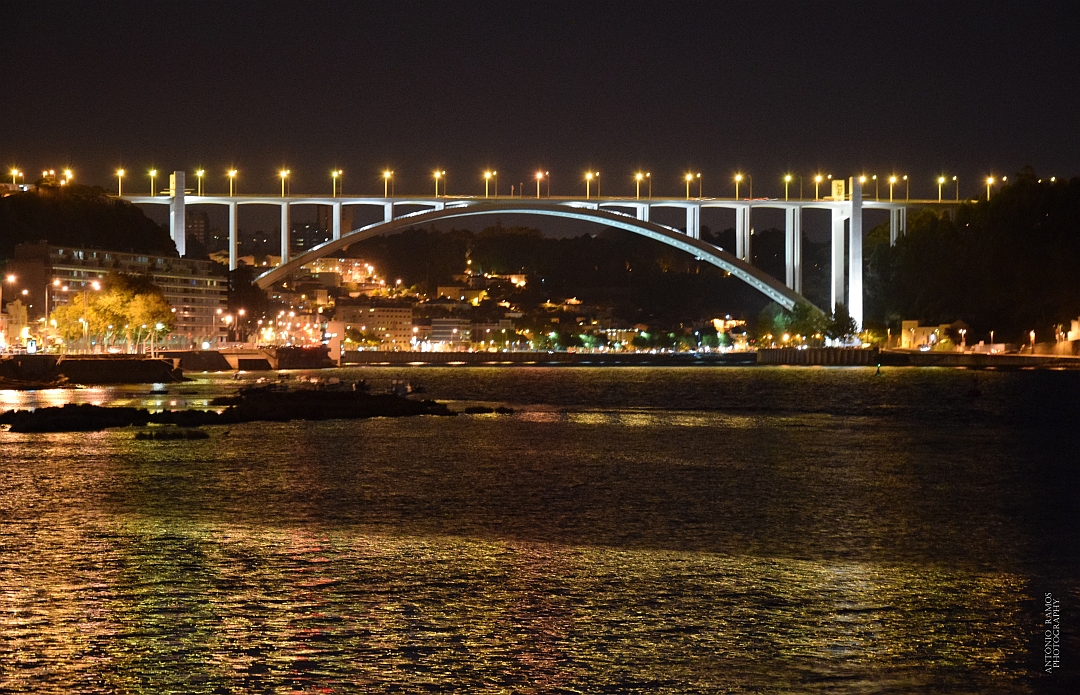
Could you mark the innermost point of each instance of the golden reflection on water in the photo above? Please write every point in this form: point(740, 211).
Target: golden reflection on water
point(146, 603)
point(619, 549)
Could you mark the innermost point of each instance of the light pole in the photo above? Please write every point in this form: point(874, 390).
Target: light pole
point(387, 179)
point(487, 180)
point(439, 175)
point(689, 178)
point(700, 184)
point(648, 175)
point(284, 174)
point(14, 173)
point(232, 182)
point(892, 182)
point(119, 182)
point(637, 180)
point(989, 183)
point(817, 184)
point(876, 195)
point(198, 178)
point(907, 189)
point(153, 175)
point(68, 175)
point(588, 181)
point(787, 182)
point(940, 182)
point(749, 180)
point(335, 180)
point(539, 176)
point(957, 182)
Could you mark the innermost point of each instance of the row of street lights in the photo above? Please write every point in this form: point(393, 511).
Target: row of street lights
point(489, 176)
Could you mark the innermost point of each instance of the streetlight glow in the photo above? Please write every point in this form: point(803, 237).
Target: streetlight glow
point(153, 175)
point(232, 181)
point(284, 174)
point(119, 182)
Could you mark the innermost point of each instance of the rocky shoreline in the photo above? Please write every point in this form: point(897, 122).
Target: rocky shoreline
point(250, 406)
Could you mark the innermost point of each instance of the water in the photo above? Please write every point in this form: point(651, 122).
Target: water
point(627, 530)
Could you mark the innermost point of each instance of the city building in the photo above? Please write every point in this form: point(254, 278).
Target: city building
point(392, 324)
point(450, 333)
point(197, 225)
point(196, 290)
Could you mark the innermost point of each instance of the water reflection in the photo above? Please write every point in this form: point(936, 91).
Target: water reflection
point(754, 541)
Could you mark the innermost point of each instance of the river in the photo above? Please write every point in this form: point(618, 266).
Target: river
point(629, 530)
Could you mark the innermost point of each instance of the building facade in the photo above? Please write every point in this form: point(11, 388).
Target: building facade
point(196, 290)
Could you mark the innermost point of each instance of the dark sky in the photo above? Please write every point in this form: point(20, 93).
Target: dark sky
point(917, 88)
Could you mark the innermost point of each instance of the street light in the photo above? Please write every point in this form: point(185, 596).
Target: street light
point(488, 175)
point(284, 174)
point(439, 175)
point(689, 178)
point(787, 182)
point(876, 196)
point(892, 182)
point(335, 176)
point(817, 183)
point(232, 181)
point(68, 175)
point(589, 176)
point(907, 188)
point(198, 180)
point(119, 182)
point(957, 182)
point(738, 180)
point(940, 182)
point(637, 180)
point(989, 183)
point(14, 173)
point(153, 175)
point(387, 179)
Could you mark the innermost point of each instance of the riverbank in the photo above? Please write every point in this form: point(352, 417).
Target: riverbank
point(533, 359)
point(911, 358)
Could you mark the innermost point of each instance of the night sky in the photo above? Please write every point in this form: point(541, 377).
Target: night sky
point(916, 88)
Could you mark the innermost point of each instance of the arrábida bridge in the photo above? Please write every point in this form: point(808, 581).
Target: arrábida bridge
point(629, 214)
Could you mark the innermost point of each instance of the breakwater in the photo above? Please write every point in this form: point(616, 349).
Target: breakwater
point(29, 370)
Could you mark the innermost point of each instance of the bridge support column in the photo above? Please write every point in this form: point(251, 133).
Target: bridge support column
point(894, 225)
point(742, 233)
point(388, 212)
point(693, 222)
point(233, 241)
point(837, 262)
point(793, 249)
point(337, 221)
point(284, 233)
point(855, 254)
point(177, 214)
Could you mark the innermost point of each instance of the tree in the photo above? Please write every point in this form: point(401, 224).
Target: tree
point(127, 306)
point(806, 320)
point(840, 325)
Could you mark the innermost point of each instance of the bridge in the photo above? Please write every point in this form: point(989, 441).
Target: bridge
point(630, 214)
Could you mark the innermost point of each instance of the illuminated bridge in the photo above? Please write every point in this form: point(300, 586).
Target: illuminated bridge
point(629, 214)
